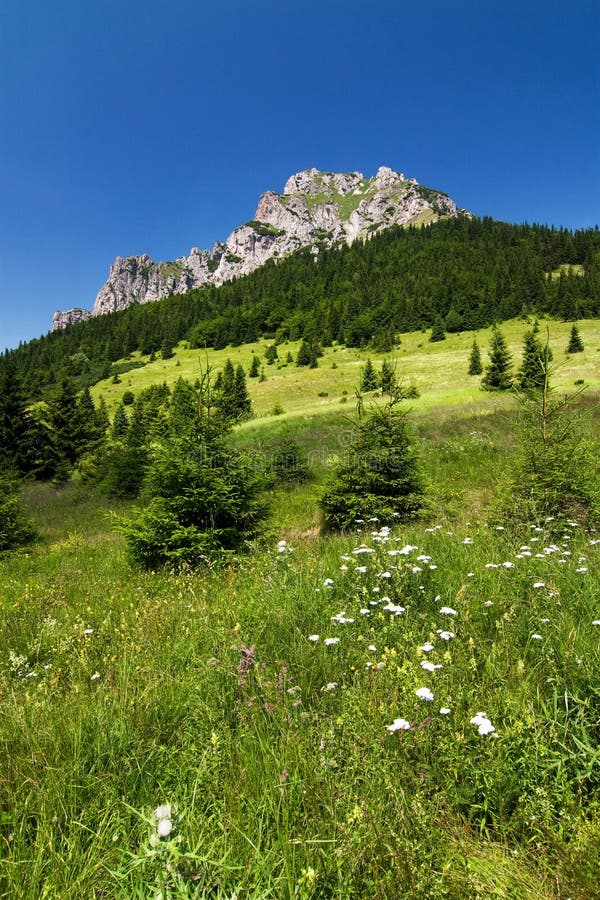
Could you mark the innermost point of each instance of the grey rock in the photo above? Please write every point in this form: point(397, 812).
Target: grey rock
point(316, 209)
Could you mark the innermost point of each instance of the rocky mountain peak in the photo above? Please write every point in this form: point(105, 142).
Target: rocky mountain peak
point(316, 209)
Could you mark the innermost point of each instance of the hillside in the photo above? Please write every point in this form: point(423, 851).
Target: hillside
point(465, 273)
point(403, 712)
point(315, 211)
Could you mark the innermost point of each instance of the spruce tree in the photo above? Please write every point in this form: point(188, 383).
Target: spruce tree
point(554, 474)
point(368, 379)
point(202, 498)
point(242, 397)
point(438, 332)
point(307, 355)
point(15, 527)
point(387, 377)
point(531, 374)
point(475, 365)
point(255, 367)
point(290, 463)
point(497, 374)
point(120, 423)
point(66, 426)
point(380, 475)
point(575, 342)
point(271, 354)
point(14, 439)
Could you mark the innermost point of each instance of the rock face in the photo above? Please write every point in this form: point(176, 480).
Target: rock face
point(316, 209)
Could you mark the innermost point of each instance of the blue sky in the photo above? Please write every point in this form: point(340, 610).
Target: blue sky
point(131, 127)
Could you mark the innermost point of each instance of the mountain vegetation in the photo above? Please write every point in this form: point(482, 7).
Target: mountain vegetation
point(255, 643)
point(463, 273)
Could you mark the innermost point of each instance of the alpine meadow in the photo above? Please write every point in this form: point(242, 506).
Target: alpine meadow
point(300, 564)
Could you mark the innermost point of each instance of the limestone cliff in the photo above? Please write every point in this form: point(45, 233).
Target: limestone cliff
point(316, 209)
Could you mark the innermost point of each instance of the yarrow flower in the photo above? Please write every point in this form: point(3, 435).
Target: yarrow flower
point(424, 693)
point(398, 725)
point(483, 723)
point(313, 637)
point(330, 641)
point(430, 667)
point(448, 611)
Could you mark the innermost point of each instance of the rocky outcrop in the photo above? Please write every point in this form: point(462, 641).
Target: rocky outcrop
point(70, 317)
point(316, 209)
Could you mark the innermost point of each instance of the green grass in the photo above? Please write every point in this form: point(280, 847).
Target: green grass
point(438, 370)
point(122, 690)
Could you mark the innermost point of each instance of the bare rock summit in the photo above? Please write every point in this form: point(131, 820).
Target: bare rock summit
point(316, 209)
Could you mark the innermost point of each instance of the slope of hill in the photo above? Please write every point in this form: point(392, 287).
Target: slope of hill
point(316, 210)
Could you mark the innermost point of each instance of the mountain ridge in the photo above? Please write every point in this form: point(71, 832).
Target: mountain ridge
point(316, 209)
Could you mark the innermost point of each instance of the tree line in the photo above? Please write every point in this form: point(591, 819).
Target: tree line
point(457, 274)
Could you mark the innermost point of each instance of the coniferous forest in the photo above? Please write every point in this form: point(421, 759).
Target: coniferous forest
point(463, 273)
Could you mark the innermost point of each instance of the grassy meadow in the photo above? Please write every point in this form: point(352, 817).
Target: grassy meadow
point(403, 712)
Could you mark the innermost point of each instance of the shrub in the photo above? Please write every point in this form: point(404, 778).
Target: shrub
point(379, 476)
point(15, 528)
point(202, 497)
point(290, 463)
point(554, 474)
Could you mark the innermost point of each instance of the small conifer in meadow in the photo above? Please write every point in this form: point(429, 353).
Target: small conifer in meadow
point(554, 472)
point(387, 377)
point(575, 342)
point(475, 364)
point(15, 527)
point(531, 373)
point(497, 374)
point(379, 476)
point(438, 332)
point(369, 380)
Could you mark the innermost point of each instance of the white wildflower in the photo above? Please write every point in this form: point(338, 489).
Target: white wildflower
point(398, 725)
point(483, 723)
point(424, 693)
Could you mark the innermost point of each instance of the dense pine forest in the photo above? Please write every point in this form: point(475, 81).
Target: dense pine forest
point(459, 274)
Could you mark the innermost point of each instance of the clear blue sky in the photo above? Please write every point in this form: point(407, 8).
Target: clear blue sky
point(132, 127)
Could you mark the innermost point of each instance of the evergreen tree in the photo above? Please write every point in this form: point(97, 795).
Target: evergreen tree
point(554, 474)
point(497, 374)
point(437, 332)
point(387, 378)
point(15, 528)
point(307, 355)
point(202, 499)
point(14, 439)
point(271, 354)
point(182, 405)
point(368, 379)
point(290, 463)
point(120, 423)
point(379, 477)
point(575, 342)
point(255, 367)
point(66, 426)
point(90, 432)
point(166, 349)
point(531, 374)
point(242, 397)
point(475, 365)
